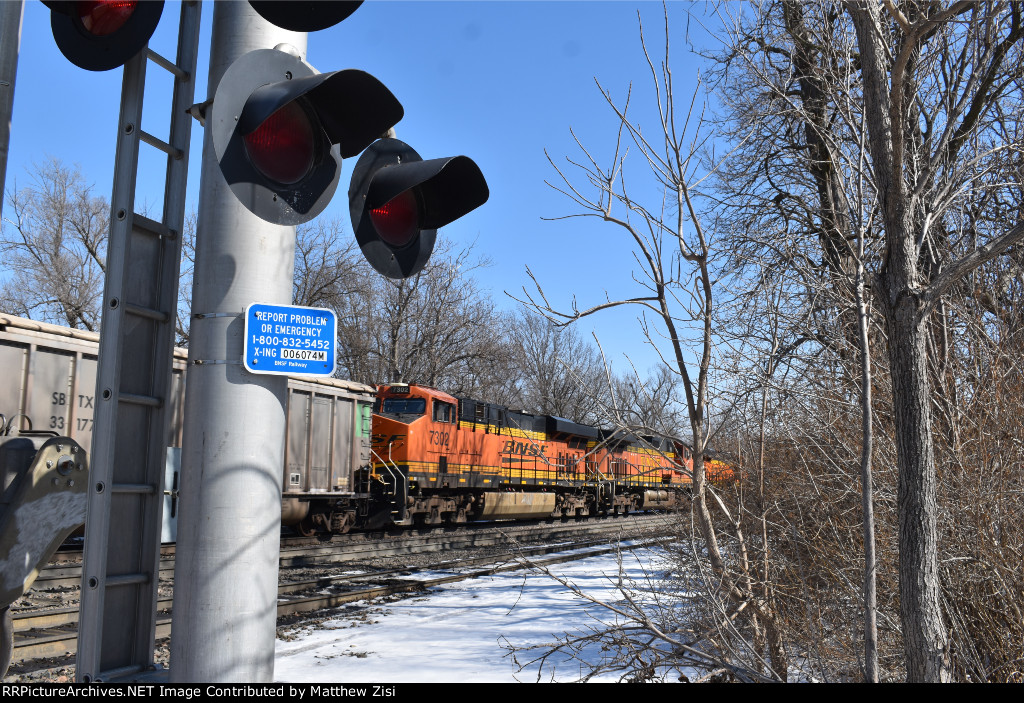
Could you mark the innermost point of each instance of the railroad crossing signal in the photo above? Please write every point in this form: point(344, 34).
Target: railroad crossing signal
point(280, 131)
point(397, 202)
point(99, 35)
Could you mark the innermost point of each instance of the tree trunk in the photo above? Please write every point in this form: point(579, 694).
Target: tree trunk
point(867, 504)
point(925, 638)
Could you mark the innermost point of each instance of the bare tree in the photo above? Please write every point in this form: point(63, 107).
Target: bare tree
point(328, 266)
point(54, 248)
point(560, 371)
point(436, 328)
point(898, 126)
point(679, 286)
point(945, 67)
point(182, 319)
point(649, 405)
point(657, 628)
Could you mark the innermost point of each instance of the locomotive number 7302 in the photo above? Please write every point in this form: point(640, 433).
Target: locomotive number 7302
point(439, 438)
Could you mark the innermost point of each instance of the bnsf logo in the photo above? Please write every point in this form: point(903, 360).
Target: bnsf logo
point(386, 439)
point(523, 448)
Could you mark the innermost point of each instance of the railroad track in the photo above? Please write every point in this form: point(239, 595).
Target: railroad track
point(67, 572)
point(53, 632)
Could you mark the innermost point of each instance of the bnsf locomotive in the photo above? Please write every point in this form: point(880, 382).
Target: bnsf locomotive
point(405, 454)
point(438, 459)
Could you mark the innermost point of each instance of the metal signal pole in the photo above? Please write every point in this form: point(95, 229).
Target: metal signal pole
point(225, 575)
point(10, 42)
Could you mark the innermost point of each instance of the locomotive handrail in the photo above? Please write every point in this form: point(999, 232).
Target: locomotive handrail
point(402, 514)
point(396, 473)
point(392, 467)
point(384, 462)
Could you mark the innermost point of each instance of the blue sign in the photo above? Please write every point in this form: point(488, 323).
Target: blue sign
point(290, 340)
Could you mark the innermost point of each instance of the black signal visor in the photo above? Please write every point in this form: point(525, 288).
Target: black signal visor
point(280, 131)
point(397, 202)
point(100, 36)
point(330, 96)
point(446, 188)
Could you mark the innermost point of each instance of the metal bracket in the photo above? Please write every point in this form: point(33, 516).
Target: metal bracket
point(198, 111)
point(210, 315)
point(205, 315)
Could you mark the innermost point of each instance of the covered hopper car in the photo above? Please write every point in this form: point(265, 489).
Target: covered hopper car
point(48, 379)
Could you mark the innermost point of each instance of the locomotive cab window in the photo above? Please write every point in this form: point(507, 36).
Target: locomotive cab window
point(443, 412)
point(404, 406)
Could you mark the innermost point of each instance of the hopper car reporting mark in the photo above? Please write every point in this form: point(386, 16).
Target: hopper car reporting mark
point(423, 457)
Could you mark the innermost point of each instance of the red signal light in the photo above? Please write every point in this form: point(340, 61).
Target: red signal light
point(104, 17)
point(397, 220)
point(283, 147)
point(398, 236)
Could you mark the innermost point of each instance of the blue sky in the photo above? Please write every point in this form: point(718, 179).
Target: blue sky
point(500, 82)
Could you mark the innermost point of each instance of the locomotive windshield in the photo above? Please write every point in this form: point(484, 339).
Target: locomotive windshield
point(404, 406)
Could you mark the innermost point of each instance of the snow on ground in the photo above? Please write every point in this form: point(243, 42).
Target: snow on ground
point(460, 632)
